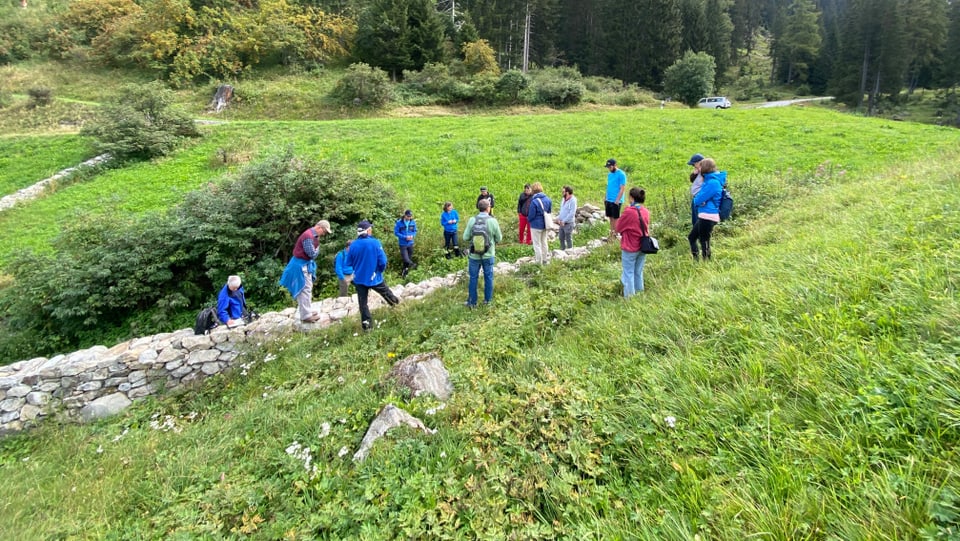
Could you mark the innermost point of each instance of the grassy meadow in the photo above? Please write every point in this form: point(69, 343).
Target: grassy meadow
point(802, 385)
point(27, 160)
point(431, 160)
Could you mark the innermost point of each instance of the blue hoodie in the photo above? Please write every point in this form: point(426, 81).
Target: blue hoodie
point(404, 229)
point(707, 199)
point(230, 304)
point(539, 204)
point(368, 260)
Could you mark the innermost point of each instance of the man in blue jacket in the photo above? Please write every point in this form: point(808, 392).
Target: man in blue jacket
point(368, 260)
point(406, 230)
point(230, 302)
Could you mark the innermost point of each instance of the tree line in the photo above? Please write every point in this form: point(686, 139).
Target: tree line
point(857, 50)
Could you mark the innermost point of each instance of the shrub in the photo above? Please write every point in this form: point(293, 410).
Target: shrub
point(511, 85)
point(111, 279)
point(479, 57)
point(141, 123)
point(559, 87)
point(40, 96)
point(363, 85)
point(690, 78)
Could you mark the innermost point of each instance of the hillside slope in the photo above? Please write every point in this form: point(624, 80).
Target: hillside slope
point(802, 385)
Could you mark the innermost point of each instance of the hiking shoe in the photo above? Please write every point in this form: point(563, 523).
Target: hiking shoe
point(366, 325)
point(312, 319)
point(470, 306)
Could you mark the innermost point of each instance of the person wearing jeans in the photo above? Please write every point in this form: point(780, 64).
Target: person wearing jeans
point(540, 204)
point(631, 231)
point(567, 218)
point(483, 260)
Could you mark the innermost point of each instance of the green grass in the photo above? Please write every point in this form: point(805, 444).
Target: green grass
point(430, 160)
point(27, 160)
point(811, 368)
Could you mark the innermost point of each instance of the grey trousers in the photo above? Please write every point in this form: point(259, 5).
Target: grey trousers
point(305, 297)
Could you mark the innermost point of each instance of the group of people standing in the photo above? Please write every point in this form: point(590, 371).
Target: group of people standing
point(363, 260)
point(633, 223)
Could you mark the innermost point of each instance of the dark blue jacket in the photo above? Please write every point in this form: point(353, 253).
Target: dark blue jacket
point(539, 204)
point(403, 229)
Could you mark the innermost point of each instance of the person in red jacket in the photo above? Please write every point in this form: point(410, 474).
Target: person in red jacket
point(629, 227)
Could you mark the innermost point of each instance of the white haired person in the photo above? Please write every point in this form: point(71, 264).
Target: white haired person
point(302, 270)
point(230, 302)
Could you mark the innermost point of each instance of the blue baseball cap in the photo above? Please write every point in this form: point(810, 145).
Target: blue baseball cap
point(695, 159)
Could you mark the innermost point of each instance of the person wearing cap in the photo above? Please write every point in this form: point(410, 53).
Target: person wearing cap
point(485, 196)
point(707, 206)
point(540, 205)
point(344, 271)
point(368, 260)
point(696, 181)
point(483, 260)
point(450, 221)
point(405, 230)
point(301, 271)
point(616, 184)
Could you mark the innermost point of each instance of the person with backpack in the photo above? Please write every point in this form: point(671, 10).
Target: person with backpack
point(301, 271)
point(231, 302)
point(405, 230)
point(707, 205)
point(696, 182)
point(540, 205)
point(633, 225)
point(523, 205)
point(368, 260)
point(482, 235)
point(450, 220)
point(344, 271)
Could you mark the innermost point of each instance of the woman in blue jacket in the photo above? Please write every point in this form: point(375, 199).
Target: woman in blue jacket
point(406, 230)
point(707, 206)
point(450, 220)
point(540, 204)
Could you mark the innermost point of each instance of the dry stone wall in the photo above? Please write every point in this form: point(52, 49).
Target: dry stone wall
point(100, 381)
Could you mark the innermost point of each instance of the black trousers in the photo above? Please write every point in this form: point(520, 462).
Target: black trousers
point(701, 232)
point(362, 293)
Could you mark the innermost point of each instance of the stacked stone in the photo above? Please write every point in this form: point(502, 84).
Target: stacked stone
point(100, 381)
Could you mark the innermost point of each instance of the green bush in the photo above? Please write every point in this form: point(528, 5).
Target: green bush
point(140, 276)
point(363, 85)
point(40, 96)
point(511, 86)
point(559, 87)
point(141, 123)
point(690, 78)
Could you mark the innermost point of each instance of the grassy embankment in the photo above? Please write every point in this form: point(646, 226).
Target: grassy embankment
point(811, 371)
point(27, 160)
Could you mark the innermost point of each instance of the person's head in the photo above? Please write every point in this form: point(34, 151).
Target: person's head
point(233, 283)
point(322, 227)
point(707, 165)
point(408, 214)
point(612, 164)
point(349, 242)
point(567, 191)
point(364, 228)
point(695, 159)
point(447, 206)
point(638, 195)
point(483, 190)
point(536, 187)
point(526, 189)
point(483, 205)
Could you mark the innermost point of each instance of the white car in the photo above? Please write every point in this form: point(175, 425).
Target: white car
point(716, 102)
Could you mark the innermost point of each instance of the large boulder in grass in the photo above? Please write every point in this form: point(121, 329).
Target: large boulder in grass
point(389, 417)
point(423, 373)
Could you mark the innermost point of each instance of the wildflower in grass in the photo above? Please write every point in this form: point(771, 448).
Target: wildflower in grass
point(443, 454)
point(670, 420)
point(364, 382)
point(343, 420)
point(307, 356)
point(298, 451)
point(324, 430)
point(120, 436)
point(433, 411)
point(269, 357)
point(391, 355)
point(169, 424)
point(340, 379)
point(99, 449)
point(343, 451)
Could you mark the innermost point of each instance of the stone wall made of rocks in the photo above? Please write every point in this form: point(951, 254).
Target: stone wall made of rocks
point(100, 381)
